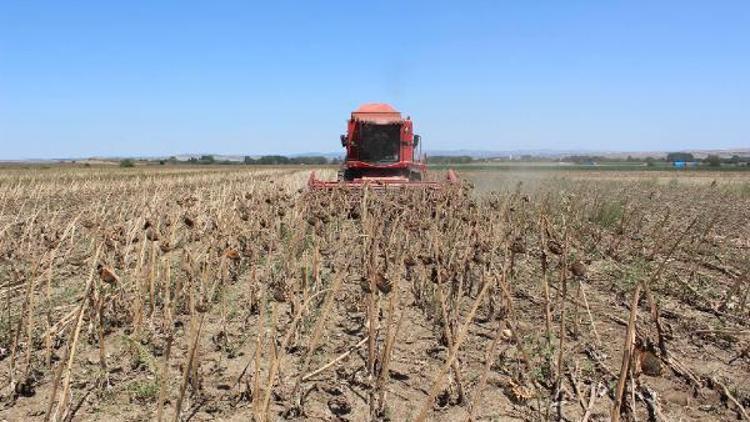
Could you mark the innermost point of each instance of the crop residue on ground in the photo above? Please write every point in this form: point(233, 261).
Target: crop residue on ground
point(216, 293)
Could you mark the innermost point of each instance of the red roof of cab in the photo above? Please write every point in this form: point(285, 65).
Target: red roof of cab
point(377, 113)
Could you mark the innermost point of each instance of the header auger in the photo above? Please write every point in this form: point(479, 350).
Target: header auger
point(382, 152)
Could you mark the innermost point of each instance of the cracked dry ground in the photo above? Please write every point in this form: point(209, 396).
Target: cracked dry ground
point(231, 294)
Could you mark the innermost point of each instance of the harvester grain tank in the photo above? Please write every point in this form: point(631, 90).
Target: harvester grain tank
point(381, 151)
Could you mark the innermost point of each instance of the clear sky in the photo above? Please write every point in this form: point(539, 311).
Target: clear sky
point(106, 78)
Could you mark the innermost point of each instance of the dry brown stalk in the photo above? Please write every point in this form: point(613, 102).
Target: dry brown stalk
point(563, 296)
point(591, 317)
point(576, 311)
point(138, 302)
point(275, 363)
point(100, 332)
point(152, 280)
point(448, 324)
point(488, 359)
point(30, 321)
point(372, 315)
point(592, 400)
point(627, 354)
point(545, 281)
point(316, 333)
point(573, 378)
point(256, 397)
point(631, 330)
point(725, 391)
point(335, 360)
point(632, 394)
point(390, 340)
point(188, 368)
point(48, 333)
point(453, 352)
point(169, 329)
point(24, 315)
point(63, 401)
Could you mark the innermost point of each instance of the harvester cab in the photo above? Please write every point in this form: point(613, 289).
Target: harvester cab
point(381, 151)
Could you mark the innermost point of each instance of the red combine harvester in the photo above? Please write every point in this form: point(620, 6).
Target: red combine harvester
point(381, 151)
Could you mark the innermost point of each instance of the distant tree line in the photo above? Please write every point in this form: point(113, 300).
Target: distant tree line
point(584, 159)
point(449, 159)
point(262, 160)
point(711, 160)
point(716, 161)
point(204, 159)
point(680, 156)
point(281, 160)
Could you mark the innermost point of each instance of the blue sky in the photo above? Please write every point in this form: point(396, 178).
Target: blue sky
point(103, 78)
